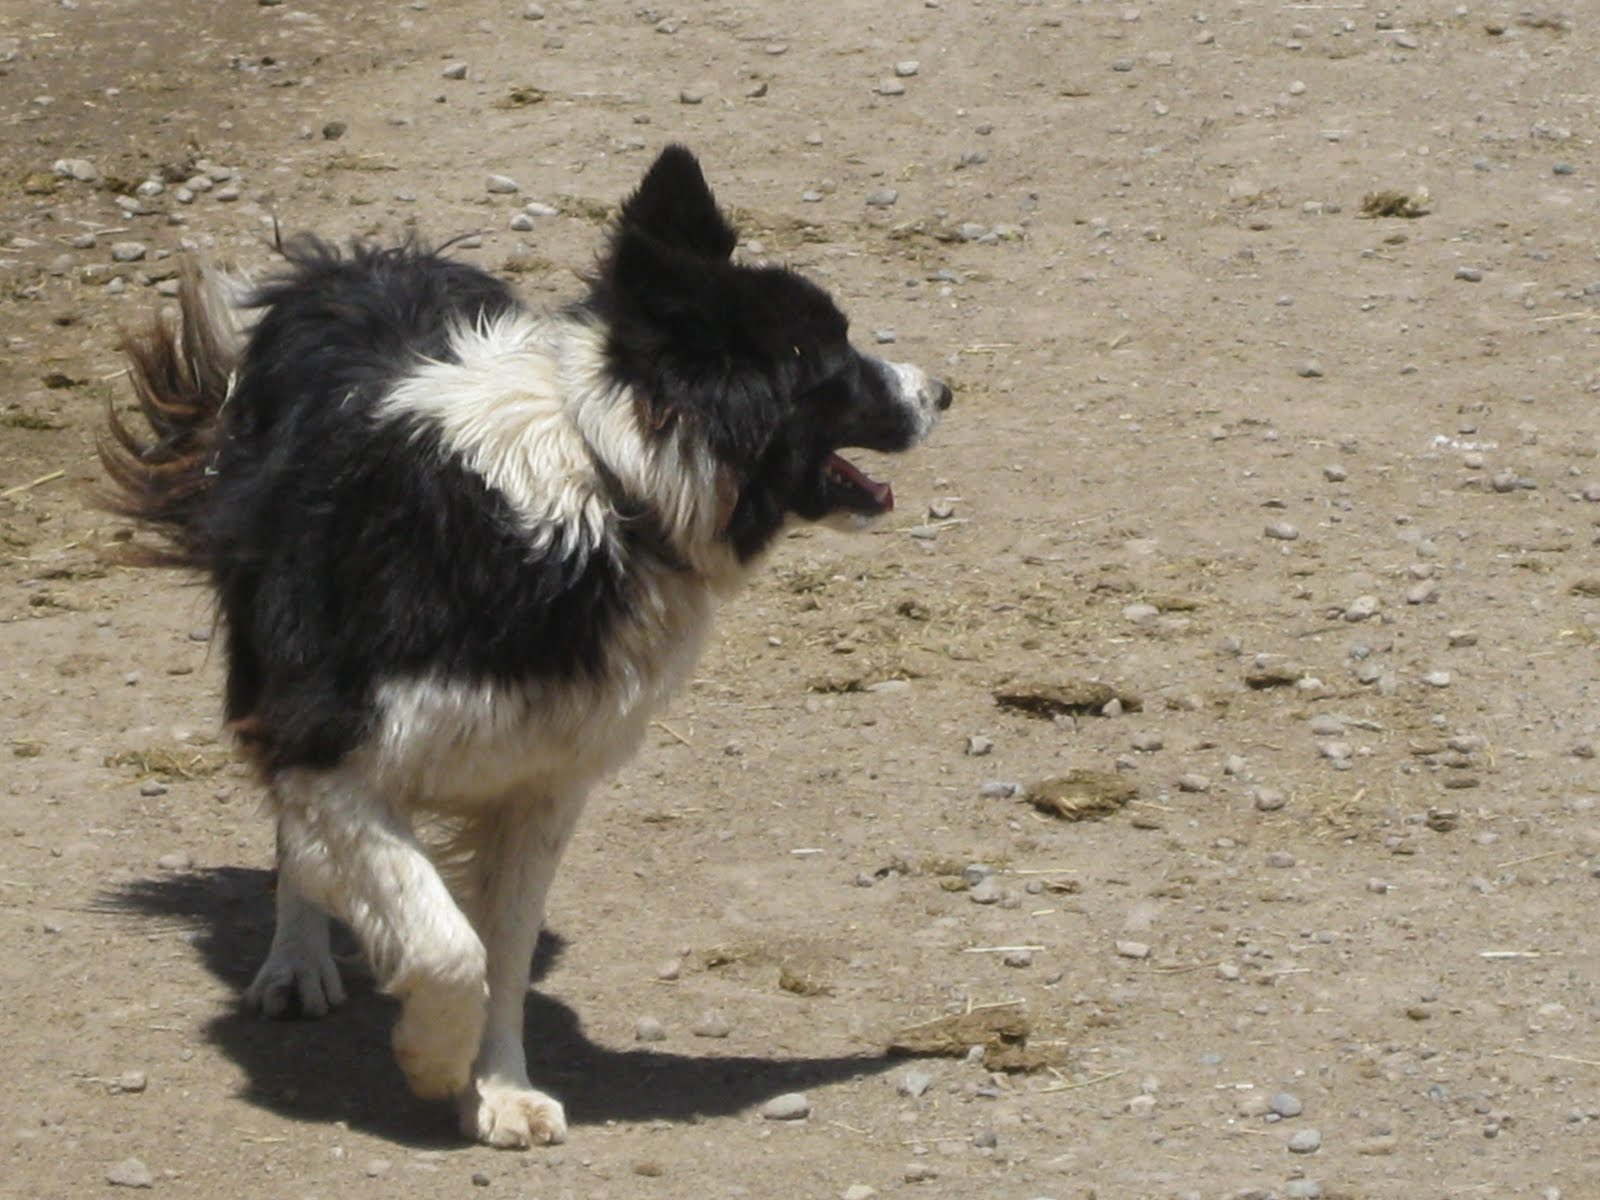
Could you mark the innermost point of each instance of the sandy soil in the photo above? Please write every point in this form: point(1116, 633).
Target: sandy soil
point(1315, 491)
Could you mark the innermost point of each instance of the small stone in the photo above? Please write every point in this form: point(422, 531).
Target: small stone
point(480, 1179)
point(1268, 799)
point(131, 1173)
point(669, 969)
point(1280, 860)
point(177, 861)
point(859, 1191)
point(1132, 950)
point(648, 1029)
point(1334, 473)
point(713, 1023)
point(79, 169)
point(914, 1083)
point(1437, 679)
point(129, 1082)
point(533, 12)
point(455, 70)
point(1461, 638)
point(1302, 1189)
point(332, 131)
point(907, 68)
point(890, 87)
point(999, 789)
point(1426, 592)
point(978, 746)
point(918, 1172)
point(1305, 1141)
point(1193, 782)
point(986, 891)
point(1504, 481)
point(522, 222)
point(790, 1106)
point(1326, 725)
point(885, 337)
point(1018, 958)
point(1336, 751)
point(1469, 274)
point(1282, 531)
point(125, 252)
point(1362, 608)
point(1310, 369)
point(1141, 614)
point(882, 197)
point(1287, 1104)
point(153, 788)
point(501, 185)
point(1146, 742)
point(694, 94)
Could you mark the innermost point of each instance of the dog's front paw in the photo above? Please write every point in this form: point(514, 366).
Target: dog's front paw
point(297, 980)
point(436, 1040)
point(510, 1117)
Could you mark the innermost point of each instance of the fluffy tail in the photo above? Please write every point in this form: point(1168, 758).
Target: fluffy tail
point(162, 471)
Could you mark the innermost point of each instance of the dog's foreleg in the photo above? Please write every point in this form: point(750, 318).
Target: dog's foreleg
point(299, 977)
point(352, 852)
point(514, 856)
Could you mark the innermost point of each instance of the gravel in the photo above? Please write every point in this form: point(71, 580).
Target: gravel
point(713, 1023)
point(131, 1173)
point(790, 1106)
point(1305, 1141)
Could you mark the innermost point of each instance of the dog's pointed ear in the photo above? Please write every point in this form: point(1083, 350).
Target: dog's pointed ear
point(674, 205)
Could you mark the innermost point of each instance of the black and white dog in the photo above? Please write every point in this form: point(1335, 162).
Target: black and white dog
point(463, 552)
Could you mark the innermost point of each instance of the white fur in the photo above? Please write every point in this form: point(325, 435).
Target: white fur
point(528, 406)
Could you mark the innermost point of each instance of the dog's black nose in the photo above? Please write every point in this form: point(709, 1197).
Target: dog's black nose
point(942, 399)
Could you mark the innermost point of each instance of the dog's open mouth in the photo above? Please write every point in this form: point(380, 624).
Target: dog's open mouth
point(848, 487)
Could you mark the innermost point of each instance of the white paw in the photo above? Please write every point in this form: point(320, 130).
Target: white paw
point(510, 1117)
point(296, 980)
point(436, 1040)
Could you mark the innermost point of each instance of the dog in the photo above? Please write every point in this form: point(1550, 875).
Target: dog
point(462, 552)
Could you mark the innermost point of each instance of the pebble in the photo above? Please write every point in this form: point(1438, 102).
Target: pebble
point(1362, 608)
point(1334, 473)
point(790, 1106)
point(907, 68)
point(125, 252)
point(648, 1029)
point(1287, 1104)
point(501, 185)
point(978, 745)
point(1437, 679)
point(859, 1191)
point(669, 969)
point(177, 861)
point(1305, 1141)
point(1425, 592)
point(882, 198)
point(455, 70)
point(986, 891)
point(1268, 799)
point(713, 1023)
point(1302, 1189)
point(80, 169)
point(1461, 638)
point(522, 222)
point(1147, 742)
point(1310, 369)
point(999, 789)
point(1193, 782)
point(1469, 274)
point(1327, 725)
point(887, 337)
point(153, 788)
point(1018, 958)
point(919, 1173)
point(1133, 950)
point(129, 1082)
point(1280, 860)
point(914, 1083)
point(890, 87)
point(1282, 531)
point(1141, 614)
point(1504, 481)
point(132, 1173)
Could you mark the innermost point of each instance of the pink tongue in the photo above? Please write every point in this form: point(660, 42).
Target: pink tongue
point(881, 493)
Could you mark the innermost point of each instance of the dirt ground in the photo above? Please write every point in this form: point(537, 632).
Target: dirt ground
point(1316, 492)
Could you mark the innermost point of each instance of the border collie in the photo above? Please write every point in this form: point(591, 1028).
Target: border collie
point(463, 552)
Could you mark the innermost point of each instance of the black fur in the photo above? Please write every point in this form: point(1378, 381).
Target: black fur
point(346, 549)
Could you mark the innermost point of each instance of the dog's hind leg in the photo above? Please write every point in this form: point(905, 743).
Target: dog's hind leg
point(514, 853)
point(299, 978)
point(354, 854)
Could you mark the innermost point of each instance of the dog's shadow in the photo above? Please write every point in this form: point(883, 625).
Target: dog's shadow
point(340, 1068)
